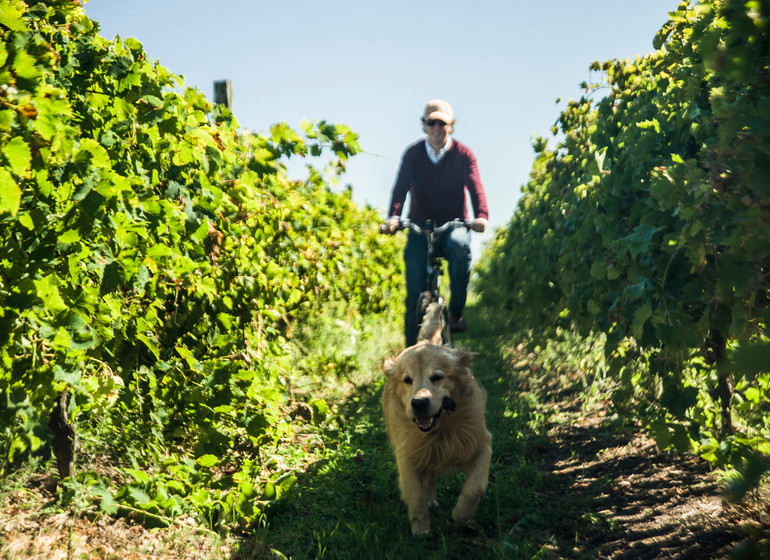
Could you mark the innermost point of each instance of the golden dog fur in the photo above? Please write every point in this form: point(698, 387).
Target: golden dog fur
point(434, 414)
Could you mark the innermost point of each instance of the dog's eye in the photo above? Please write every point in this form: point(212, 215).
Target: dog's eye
point(408, 380)
point(436, 377)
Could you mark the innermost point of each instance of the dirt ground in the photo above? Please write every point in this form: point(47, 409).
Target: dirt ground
point(30, 529)
point(645, 503)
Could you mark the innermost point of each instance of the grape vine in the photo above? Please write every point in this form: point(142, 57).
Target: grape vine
point(649, 224)
point(153, 262)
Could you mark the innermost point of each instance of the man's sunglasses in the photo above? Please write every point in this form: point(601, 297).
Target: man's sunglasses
point(434, 122)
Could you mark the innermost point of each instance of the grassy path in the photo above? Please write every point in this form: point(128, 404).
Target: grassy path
point(565, 481)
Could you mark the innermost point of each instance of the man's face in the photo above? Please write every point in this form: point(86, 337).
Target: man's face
point(438, 132)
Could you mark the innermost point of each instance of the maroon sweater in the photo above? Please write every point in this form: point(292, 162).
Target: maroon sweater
point(437, 191)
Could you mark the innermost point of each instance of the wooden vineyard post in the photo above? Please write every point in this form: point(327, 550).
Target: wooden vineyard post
point(223, 93)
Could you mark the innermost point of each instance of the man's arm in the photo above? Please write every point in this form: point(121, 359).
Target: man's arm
point(478, 197)
point(401, 186)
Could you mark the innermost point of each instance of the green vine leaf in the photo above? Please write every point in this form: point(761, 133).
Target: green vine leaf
point(10, 194)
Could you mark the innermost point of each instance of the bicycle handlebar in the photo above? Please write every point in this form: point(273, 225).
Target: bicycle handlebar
point(405, 223)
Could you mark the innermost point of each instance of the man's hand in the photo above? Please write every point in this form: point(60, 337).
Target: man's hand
point(479, 225)
point(390, 227)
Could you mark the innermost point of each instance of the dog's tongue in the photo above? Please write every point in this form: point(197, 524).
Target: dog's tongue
point(424, 422)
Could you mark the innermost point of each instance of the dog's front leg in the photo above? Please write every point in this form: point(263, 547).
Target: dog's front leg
point(432, 485)
point(417, 494)
point(476, 478)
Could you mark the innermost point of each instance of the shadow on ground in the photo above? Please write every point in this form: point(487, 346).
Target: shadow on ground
point(638, 502)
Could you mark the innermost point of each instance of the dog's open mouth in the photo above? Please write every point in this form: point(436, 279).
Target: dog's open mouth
point(425, 423)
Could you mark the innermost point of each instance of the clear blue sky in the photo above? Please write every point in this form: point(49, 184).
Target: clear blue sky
point(372, 65)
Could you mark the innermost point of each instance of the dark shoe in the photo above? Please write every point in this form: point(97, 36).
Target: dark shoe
point(460, 325)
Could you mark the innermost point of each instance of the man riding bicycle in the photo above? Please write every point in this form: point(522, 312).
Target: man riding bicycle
point(436, 173)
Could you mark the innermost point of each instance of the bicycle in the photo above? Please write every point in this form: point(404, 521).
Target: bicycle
point(432, 315)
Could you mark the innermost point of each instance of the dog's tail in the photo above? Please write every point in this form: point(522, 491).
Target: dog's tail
point(432, 323)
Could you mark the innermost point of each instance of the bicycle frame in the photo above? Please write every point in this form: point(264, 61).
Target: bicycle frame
point(431, 307)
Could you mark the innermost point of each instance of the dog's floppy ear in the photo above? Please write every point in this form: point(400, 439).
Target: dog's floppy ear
point(391, 363)
point(390, 366)
point(463, 357)
point(462, 361)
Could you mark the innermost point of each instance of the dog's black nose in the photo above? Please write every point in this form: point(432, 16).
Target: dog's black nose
point(420, 406)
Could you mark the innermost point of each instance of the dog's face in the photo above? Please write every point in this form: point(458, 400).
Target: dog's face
point(427, 380)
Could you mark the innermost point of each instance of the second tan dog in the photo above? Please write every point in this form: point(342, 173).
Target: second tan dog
point(434, 414)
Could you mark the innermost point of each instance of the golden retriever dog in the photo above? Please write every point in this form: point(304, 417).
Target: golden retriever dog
point(434, 415)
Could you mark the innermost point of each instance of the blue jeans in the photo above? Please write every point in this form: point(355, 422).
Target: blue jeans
point(455, 246)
